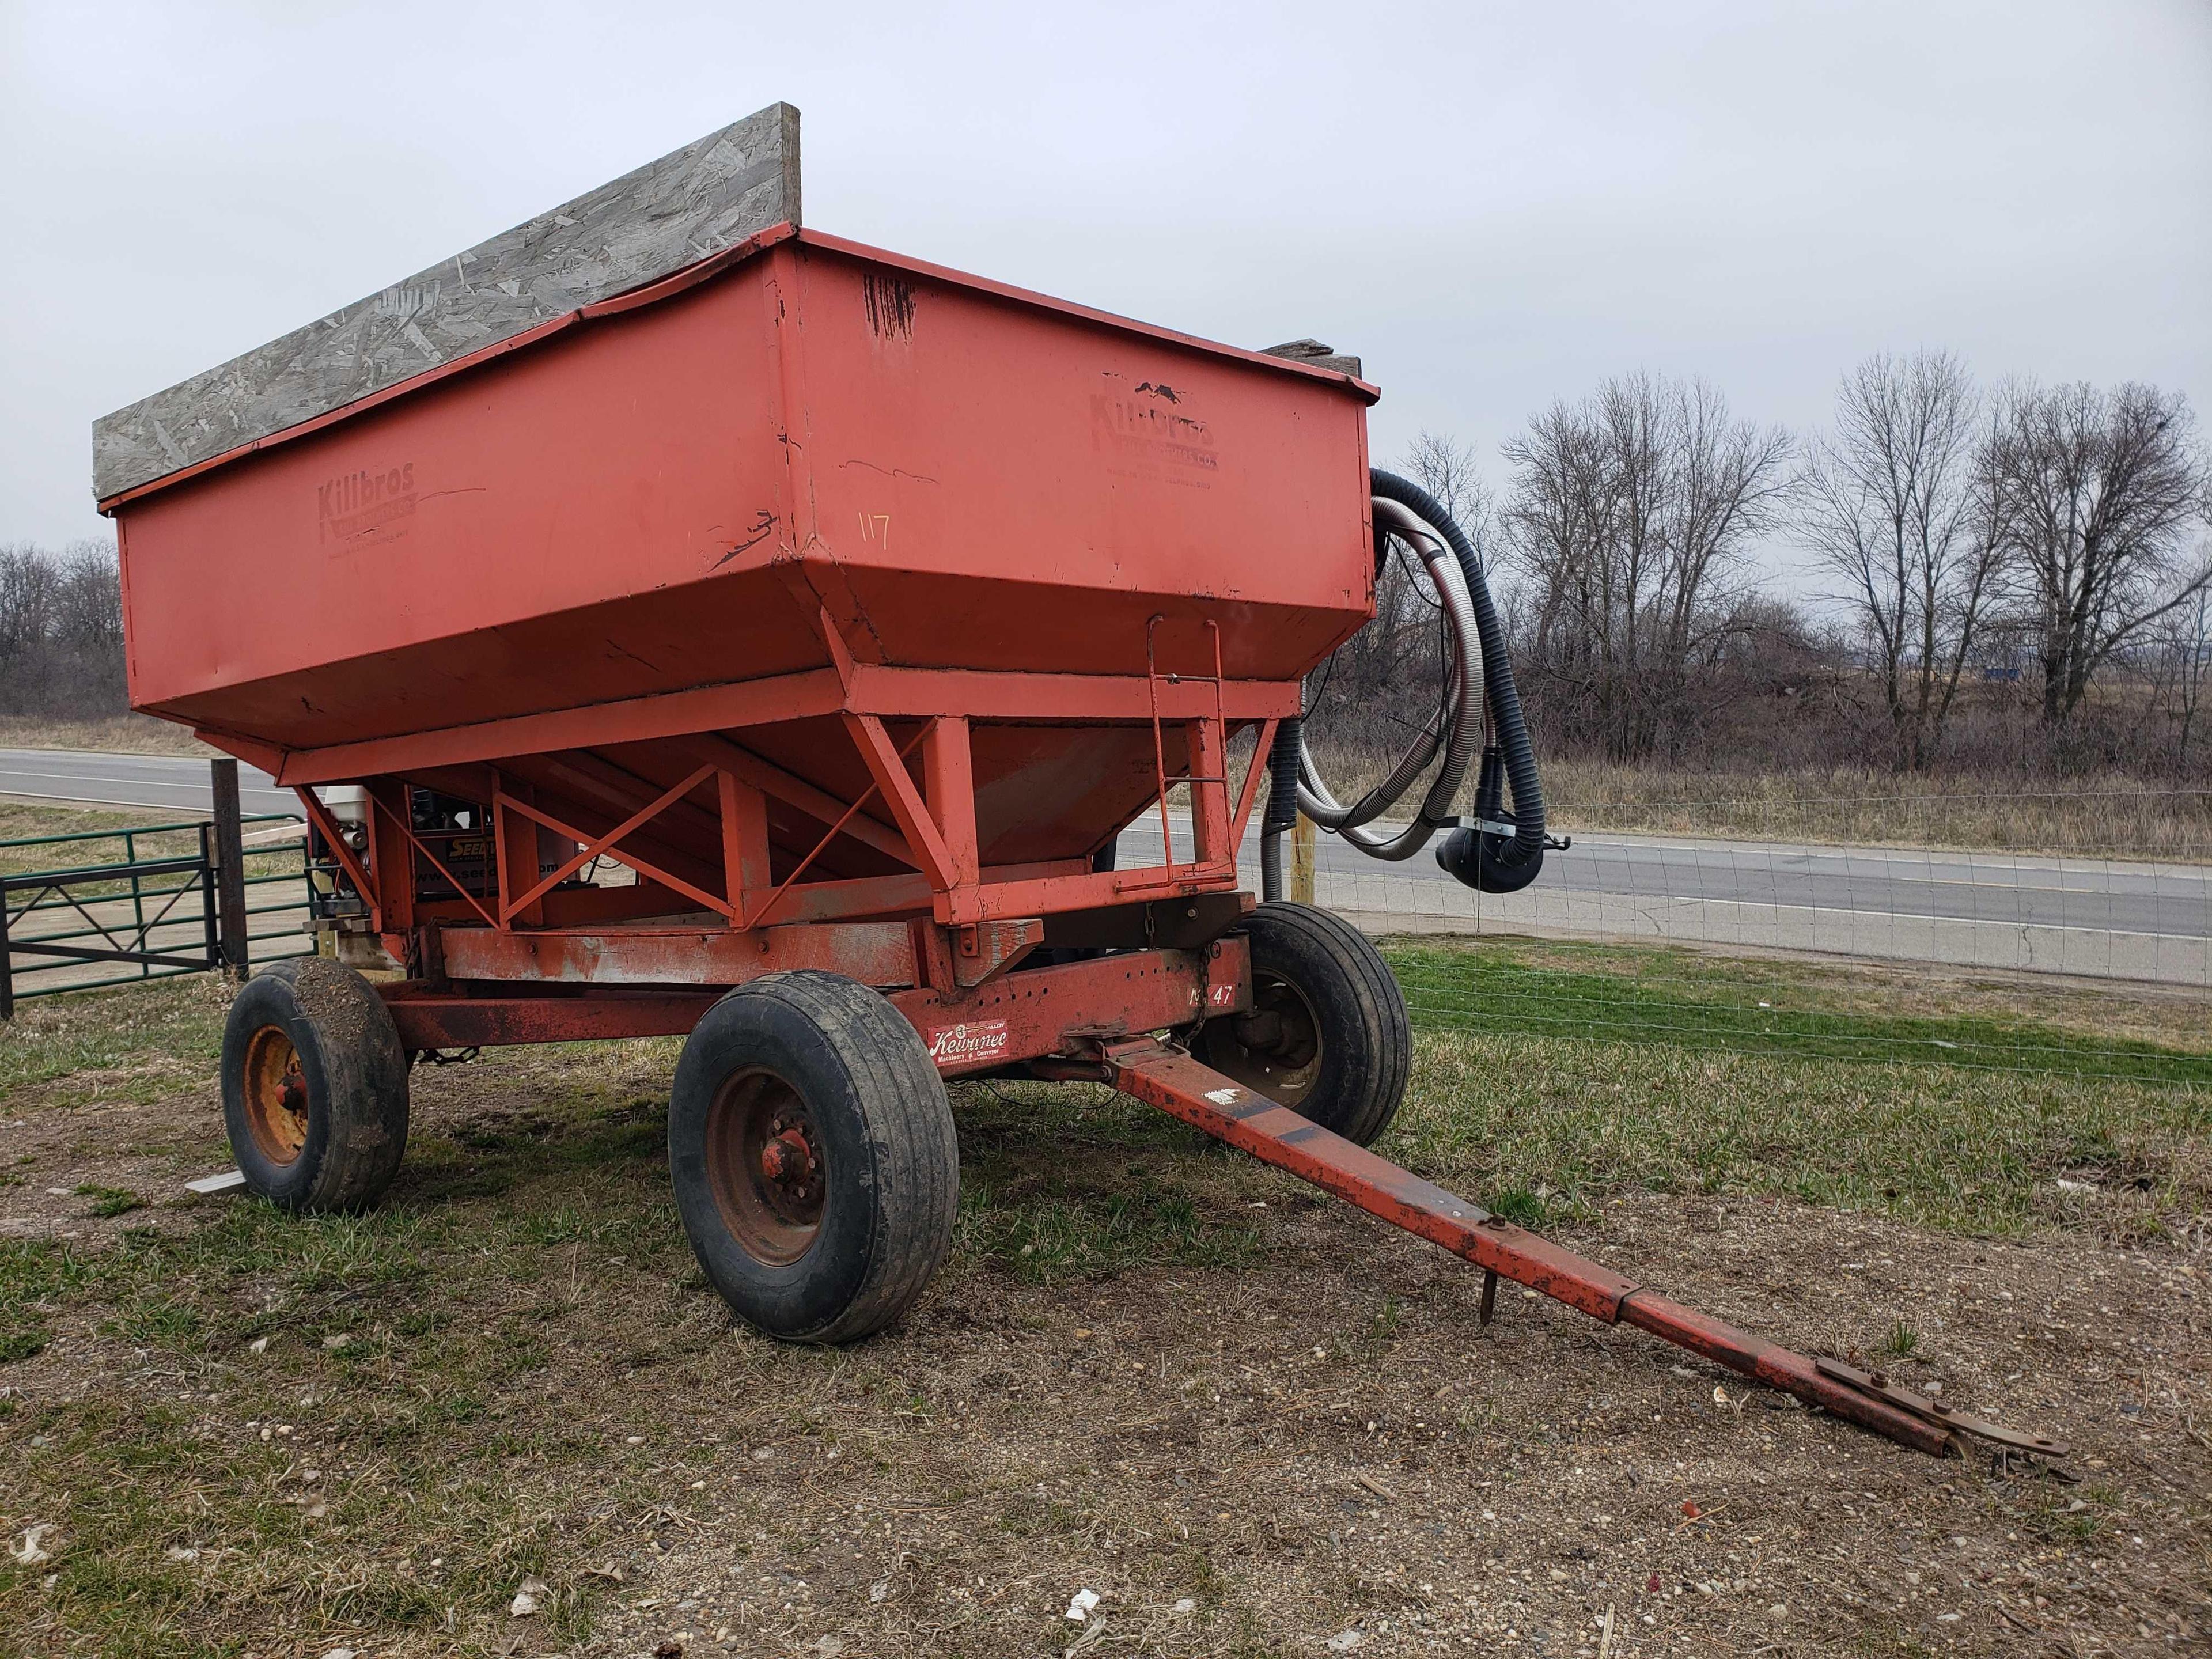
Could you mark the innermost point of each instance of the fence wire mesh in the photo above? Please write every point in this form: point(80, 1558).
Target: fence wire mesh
point(2090, 956)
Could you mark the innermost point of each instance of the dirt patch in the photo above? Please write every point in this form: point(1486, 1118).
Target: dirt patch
point(1265, 1426)
point(64, 1165)
point(1267, 1460)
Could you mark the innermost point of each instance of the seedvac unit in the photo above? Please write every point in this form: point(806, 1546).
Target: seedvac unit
point(846, 607)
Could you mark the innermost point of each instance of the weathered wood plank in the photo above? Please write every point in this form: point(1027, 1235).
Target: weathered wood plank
point(669, 214)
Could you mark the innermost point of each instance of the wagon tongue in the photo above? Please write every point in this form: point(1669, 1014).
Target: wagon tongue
point(1176, 1084)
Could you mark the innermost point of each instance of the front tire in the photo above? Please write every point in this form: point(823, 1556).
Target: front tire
point(314, 1087)
point(1326, 1034)
point(811, 1148)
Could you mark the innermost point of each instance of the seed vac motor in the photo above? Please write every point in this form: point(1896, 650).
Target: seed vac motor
point(733, 631)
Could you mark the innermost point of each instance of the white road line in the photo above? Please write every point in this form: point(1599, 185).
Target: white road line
point(1896, 872)
point(108, 779)
point(135, 757)
point(1835, 850)
point(1903, 878)
point(1562, 890)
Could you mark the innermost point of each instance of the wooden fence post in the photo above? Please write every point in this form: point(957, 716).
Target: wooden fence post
point(1301, 859)
point(229, 874)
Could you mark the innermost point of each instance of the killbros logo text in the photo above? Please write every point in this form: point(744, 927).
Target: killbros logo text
point(365, 507)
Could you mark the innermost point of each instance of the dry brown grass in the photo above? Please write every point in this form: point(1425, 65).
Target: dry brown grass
point(2104, 814)
point(2110, 813)
point(136, 734)
point(21, 820)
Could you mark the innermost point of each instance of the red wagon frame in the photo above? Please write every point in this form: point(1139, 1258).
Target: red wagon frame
point(668, 777)
point(937, 936)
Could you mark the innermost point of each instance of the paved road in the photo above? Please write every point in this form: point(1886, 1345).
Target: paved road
point(2101, 917)
point(158, 781)
point(2082, 915)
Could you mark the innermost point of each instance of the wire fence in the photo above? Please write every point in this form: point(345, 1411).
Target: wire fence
point(2091, 956)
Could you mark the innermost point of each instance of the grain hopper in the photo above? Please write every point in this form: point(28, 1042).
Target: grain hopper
point(741, 633)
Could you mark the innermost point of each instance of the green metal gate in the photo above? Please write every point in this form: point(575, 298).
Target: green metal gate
point(120, 906)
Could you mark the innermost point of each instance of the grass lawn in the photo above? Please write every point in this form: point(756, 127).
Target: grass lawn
point(1867, 1088)
point(1147, 1366)
point(22, 820)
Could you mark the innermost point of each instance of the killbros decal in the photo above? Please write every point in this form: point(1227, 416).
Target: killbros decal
point(365, 507)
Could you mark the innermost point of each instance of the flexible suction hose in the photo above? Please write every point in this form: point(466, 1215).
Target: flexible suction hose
point(1282, 812)
point(1506, 718)
point(1478, 669)
point(1453, 729)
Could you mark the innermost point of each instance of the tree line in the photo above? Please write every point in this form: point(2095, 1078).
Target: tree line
point(61, 631)
point(2014, 577)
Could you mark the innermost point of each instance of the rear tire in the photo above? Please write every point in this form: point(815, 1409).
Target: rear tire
point(314, 1087)
point(812, 1152)
point(1326, 1034)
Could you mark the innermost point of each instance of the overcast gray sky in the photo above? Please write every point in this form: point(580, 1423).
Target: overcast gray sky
point(1494, 204)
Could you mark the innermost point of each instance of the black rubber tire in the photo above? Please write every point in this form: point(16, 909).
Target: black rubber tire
point(330, 1139)
point(878, 1118)
point(1344, 1062)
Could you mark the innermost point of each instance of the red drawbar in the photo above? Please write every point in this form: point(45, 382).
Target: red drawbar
point(1202, 1097)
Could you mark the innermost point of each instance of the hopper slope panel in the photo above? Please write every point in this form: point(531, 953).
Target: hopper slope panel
point(1042, 792)
point(1047, 792)
point(515, 538)
point(710, 633)
point(1012, 486)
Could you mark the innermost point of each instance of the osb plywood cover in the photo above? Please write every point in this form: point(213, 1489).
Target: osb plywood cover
point(669, 214)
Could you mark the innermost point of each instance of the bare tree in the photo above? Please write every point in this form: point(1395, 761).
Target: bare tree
point(1894, 502)
point(2181, 663)
point(1446, 468)
point(1631, 513)
point(27, 581)
point(61, 631)
point(2097, 495)
point(88, 598)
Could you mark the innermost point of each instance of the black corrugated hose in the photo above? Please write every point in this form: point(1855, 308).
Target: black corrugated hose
point(1282, 812)
point(1506, 720)
point(1506, 863)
